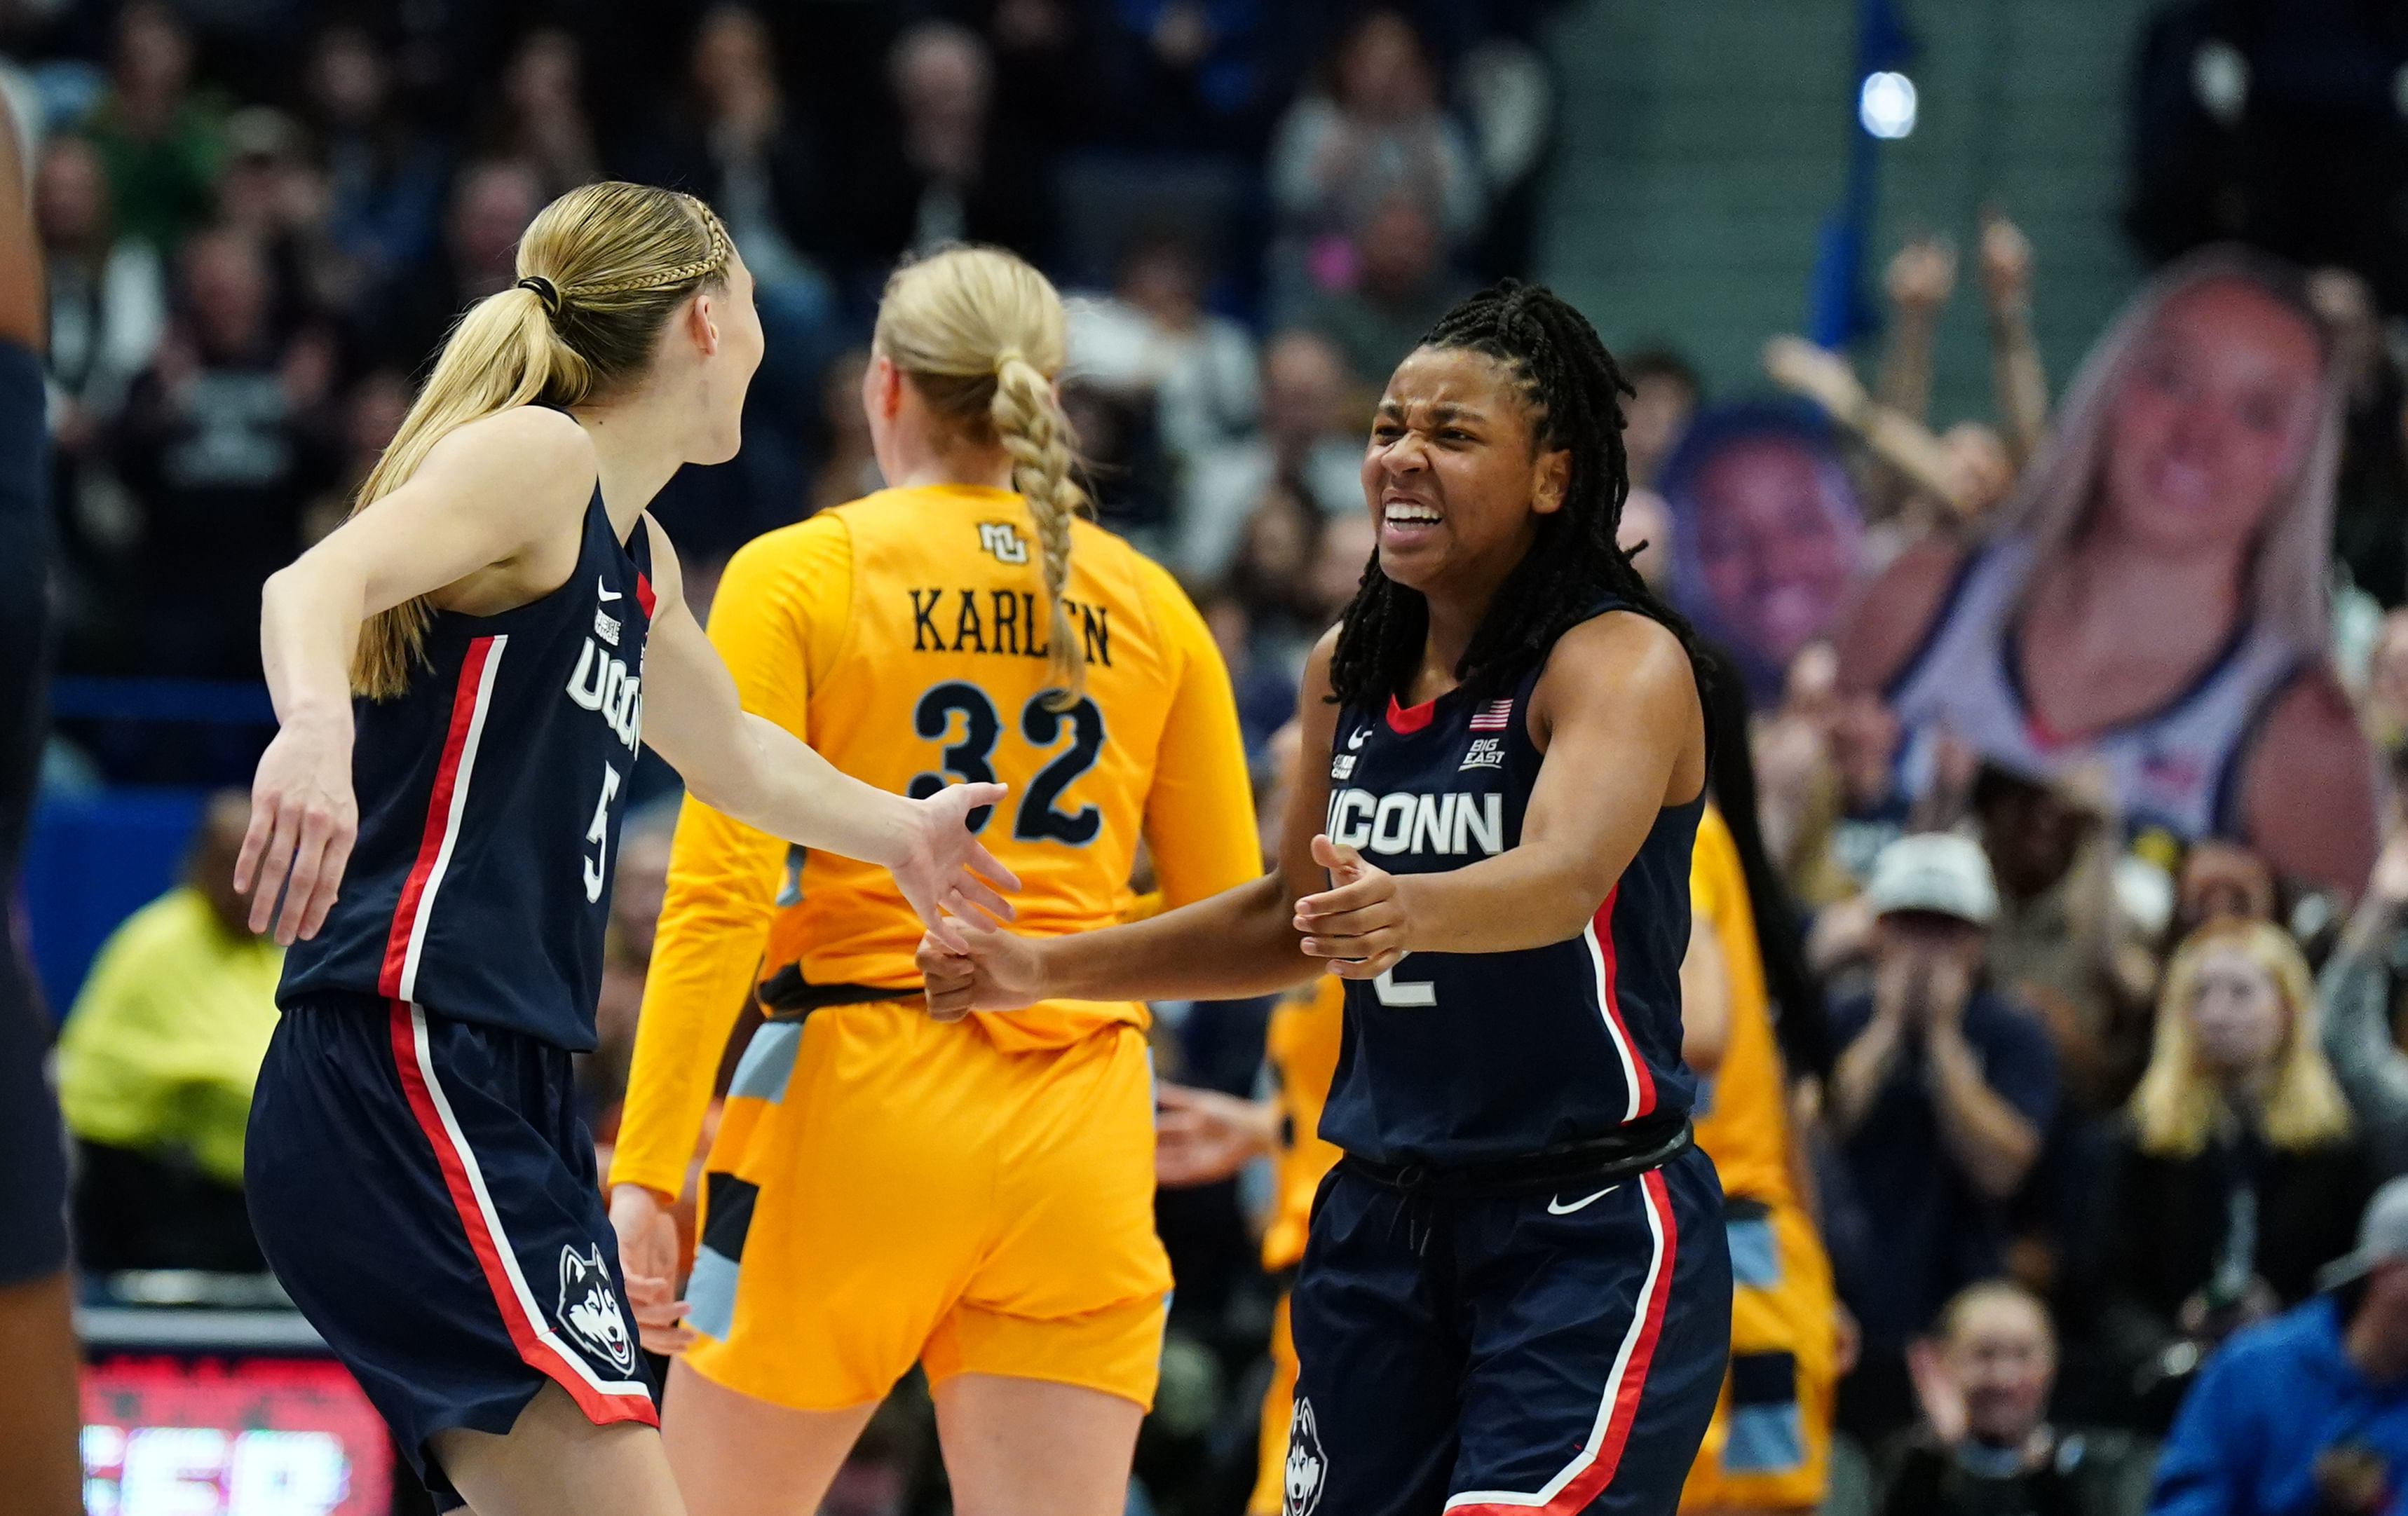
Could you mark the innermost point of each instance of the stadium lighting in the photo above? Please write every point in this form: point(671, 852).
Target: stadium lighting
point(1886, 106)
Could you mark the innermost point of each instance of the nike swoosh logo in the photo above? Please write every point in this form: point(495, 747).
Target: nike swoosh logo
point(1556, 1206)
point(1356, 740)
point(603, 588)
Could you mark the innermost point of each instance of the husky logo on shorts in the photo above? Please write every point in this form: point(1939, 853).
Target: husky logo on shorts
point(589, 1308)
point(1308, 1470)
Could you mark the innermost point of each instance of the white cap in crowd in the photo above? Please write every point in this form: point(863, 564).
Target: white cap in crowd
point(1934, 871)
point(2381, 1237)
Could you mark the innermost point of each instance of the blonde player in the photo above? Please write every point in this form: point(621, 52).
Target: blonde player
point(885, 1187)
point(1769, 1448)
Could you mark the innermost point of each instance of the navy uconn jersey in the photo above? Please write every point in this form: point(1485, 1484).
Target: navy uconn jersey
point(1456, 1058)
point(491, 797)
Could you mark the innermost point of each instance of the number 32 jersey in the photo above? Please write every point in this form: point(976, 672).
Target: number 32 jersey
point(490, 797)
point(906, 637)
point(1459, 1058)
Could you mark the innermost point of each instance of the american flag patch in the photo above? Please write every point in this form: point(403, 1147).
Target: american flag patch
point(1493, 716)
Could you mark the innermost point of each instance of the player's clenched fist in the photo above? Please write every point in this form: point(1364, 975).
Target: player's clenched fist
point(998, 971)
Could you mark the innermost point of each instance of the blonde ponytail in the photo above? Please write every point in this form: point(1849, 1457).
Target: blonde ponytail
point(603, 268)
point(982, 335)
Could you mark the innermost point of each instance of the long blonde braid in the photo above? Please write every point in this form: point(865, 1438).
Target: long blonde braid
point(982, 335)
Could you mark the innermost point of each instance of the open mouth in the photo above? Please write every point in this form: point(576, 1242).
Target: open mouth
point(1407, 513)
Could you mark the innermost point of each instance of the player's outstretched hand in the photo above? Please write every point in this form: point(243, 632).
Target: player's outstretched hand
point(647, 1256)
point(1358, 923)
point(978, 967)
point(302, 821)
point(945, 873)
point(1202, 1136)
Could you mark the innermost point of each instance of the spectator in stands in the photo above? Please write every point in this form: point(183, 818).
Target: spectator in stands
point(1184, 76)
point(1152, 342)
point(2061, 939)
point(2160, 585)
point(1984, 1445)
point(1941, 1094)
point(372, 414)
point(156, 1066)
point(541, 118)
point(1403, 284)
point(1308, 440)
point(385, 179)
point(216, 442)
point(1665, 393)
point(160, 139)
point(2235, 1176)
point(946, 172)
point(2356, 992)
point(491, 204)
point(738, 145)
point(1372, 132)
point(273, 195)
point(108, 309)
point(2220, 880)
point(2307, 1412)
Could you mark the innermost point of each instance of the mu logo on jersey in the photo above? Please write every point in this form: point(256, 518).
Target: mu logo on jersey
point(603, 682)
point(1004, 540)
point(1440, 825)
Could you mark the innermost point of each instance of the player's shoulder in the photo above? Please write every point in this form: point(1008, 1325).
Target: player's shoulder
point(536, 457)
point(1623, 648)
point(800, 552)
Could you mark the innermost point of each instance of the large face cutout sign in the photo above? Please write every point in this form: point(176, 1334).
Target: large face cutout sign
point(1766, 534)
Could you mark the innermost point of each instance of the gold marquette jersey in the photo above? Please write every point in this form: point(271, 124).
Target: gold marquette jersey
point(905, 636)
point(1302, 1047)
point(1742, 1114)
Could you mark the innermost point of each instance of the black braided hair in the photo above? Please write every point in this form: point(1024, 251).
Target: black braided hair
point(1574, 393)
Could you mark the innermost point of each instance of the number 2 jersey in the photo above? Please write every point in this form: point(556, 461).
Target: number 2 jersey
point(905, 635)
point(1472, 1058)
point(490, 796)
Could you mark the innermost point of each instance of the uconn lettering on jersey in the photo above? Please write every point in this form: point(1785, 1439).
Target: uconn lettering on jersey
point(1433, 825)
point(603, 682)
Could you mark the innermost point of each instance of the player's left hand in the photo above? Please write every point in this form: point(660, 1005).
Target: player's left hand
point(946, 873)
point(1358, 923)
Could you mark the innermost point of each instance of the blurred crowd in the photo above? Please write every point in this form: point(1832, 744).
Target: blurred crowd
point(2077, 727)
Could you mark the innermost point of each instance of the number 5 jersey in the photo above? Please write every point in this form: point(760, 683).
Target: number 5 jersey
point(490, 794)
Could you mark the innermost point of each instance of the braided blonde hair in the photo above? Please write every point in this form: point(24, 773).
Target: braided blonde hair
point(603, 268)
point(980, 335)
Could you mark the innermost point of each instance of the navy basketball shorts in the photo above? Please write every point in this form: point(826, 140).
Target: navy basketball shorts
point(1496, 1354)
point(426, 1192)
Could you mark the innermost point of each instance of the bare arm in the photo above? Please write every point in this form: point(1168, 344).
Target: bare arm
point(1989, 1138)
point(1618, 716)
point(1705, 999)
point(1896, 439)
point(1920, 278)
point(2018, 384)
point(502, 492)
point(1865, 1064)
point(1237, 943)
point(22, 317)
point(2308, 789)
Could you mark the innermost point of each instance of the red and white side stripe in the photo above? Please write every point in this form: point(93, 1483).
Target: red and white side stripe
point(602, 1400)
point(1592, 1468)
point(1597, 937)
point(407, 940)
